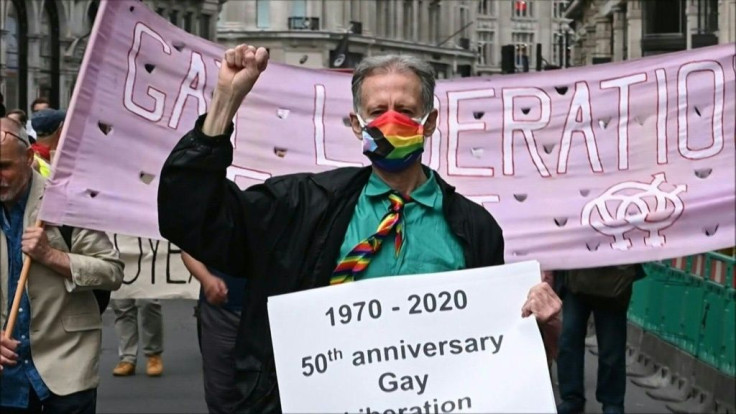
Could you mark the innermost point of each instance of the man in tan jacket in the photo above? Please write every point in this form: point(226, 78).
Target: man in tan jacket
point(51, 362)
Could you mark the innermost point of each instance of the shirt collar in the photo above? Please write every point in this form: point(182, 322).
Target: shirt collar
point(426, 194)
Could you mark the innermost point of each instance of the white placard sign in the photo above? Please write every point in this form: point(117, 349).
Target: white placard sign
point(451, 342)
point(153, 270)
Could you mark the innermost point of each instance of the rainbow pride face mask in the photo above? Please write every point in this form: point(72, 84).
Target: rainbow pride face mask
point(393, 141)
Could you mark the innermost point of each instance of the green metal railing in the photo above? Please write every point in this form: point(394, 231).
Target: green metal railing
point(691, 303)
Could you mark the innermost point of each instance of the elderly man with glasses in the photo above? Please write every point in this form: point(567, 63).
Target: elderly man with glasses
point(58, 316)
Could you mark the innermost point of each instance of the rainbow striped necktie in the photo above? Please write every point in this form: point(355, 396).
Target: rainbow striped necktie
point(360, 256)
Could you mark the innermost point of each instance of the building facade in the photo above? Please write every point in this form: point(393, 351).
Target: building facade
point(616, 30)
point(42, 43)
point(523, 24)
point(338, 34)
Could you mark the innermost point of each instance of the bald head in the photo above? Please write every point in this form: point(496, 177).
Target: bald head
point(13, 133)
point(16, 160)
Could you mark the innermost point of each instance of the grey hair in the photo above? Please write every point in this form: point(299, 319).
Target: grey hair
point(24, 137)
point(395, 63)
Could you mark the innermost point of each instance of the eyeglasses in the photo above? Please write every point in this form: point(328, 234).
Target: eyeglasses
point(15, 135)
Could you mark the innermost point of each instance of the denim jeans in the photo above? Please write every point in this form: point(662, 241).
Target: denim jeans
point(610, 326)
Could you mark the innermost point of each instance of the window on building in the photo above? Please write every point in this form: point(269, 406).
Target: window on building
point(355, 10)
point(298, 8)
point(263, 14)
point(48, 79)
point(174, 17)
point(384, 17)
point(522, 8)
point(558, 8)
point(408, 19)
point(440, 69)
point(204, 26)
point(435, 13)
point(486, 49)
point(707, 16)
point(188, 22)
point(464, 21)
point(161, 11)
point(11, 36)
point(664, 16)
point(487, 7)
point(92, 14)
point(524, 43)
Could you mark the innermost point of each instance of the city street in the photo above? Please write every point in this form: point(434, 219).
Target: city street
point(589, 137)
point(179, 390)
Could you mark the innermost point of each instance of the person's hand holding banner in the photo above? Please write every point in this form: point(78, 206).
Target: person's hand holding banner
point(7, 351)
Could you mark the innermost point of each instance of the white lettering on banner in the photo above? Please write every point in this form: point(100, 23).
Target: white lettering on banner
point(409, 344)
point(623, 84)
point(158, 96)
point(510, 125)
point(233, 172)
point(683, 113)
point(579, 119)
point(454, 128)
point(132, 75)
point(319, 131)
point(661, 116)
point(191, 86)
point(482, 199)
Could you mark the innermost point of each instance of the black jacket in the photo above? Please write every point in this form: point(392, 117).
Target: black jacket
point(284, 235)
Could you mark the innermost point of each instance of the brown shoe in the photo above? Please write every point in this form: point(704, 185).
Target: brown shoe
point(124, 369)
point(154, 366)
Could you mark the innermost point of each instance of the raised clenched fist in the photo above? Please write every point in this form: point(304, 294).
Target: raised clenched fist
point(240, 70)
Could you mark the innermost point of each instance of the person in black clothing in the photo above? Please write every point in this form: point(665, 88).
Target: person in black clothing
point(605, 293)
point(290, 233)
point(218, 317)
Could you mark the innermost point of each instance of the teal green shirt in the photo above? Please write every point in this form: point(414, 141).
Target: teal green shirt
point(429, 245)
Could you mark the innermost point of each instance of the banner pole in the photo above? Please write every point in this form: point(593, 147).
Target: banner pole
point(13, 316)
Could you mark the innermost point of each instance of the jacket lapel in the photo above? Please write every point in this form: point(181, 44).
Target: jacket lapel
point(34, 200)
point(29, 215)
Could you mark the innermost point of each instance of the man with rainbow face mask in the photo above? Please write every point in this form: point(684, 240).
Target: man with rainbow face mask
point(296, 232)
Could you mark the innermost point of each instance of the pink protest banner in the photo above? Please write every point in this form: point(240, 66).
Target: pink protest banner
point(584, 167)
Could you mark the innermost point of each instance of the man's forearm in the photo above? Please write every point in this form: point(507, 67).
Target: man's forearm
point(59, 262)
point(197, 268)
point(220, 113)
